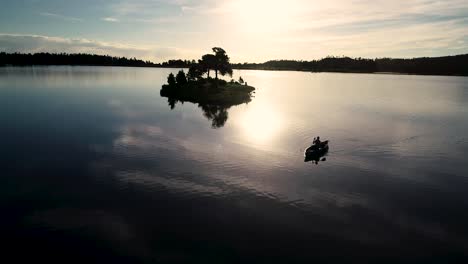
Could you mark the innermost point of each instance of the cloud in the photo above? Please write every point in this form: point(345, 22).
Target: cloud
point(146, 7)
point(423, 39)
point(259, 30)
point(158, 20)
point(299, 29)
point(38, 43)
point(62, 17)
point(110, 19)
point(149, 11)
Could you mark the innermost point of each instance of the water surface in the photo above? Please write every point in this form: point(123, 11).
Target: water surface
point(97, 167)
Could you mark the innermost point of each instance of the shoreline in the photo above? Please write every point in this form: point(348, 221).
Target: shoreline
point(234, 68)
point(227, 95)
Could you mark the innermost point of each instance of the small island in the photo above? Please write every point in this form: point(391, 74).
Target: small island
point(194, 87)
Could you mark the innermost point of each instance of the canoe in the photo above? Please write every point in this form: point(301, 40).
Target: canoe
point(317, 151)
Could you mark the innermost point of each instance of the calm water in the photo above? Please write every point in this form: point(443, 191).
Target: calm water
point(95, 166)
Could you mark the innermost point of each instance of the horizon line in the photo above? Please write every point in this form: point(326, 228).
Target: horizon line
point(175, 59)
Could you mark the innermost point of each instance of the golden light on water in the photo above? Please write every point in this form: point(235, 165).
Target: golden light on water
point(261, 124)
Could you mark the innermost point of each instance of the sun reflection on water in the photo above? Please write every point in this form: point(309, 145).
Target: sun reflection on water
point(261, 124)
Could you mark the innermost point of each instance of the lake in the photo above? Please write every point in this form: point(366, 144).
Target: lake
point(97, 167)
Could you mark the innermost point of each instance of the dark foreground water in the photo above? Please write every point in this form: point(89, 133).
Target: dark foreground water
point(96, 167)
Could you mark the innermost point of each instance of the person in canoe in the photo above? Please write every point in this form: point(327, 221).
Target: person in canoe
point(316, 143)
point(316, 151)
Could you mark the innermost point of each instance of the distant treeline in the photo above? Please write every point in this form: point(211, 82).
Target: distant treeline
point(177, 63)
point(22, 59)
point(449, 65)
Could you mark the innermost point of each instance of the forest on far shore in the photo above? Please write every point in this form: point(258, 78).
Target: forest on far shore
point(448, 65)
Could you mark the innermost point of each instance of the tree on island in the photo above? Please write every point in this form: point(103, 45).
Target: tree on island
point(171, 80)
point(181, 78)
point(194, 73)
point(219, 62)
point(222, 63)
point(194, 88)
point(215, 96)
point(207, 63)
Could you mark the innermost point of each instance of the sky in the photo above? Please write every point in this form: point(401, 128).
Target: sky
point(249, 30)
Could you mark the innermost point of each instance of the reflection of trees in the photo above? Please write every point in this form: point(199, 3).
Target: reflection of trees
point(172, 102)
point(217, 114)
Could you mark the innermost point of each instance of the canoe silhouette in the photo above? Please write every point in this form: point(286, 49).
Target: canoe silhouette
point(315, 152)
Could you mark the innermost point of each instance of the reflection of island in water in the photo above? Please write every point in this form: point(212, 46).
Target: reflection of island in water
point(217, 114)
point(213, 96)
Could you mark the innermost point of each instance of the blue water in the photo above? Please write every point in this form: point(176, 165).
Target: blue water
point(96, 167)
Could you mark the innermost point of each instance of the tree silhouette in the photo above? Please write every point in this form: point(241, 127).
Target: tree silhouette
point(448, 65)
point(222, 64)
point(207, 63)
point(219, 62)
point(21, 59)
point(171, 80)
point(180, 78)
point(194, 73)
